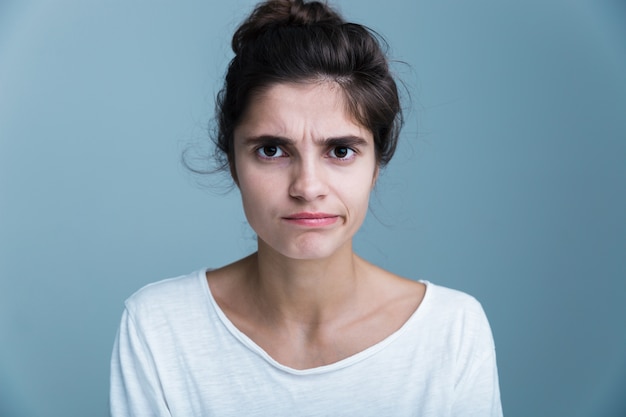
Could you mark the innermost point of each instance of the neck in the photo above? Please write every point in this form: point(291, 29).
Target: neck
point(304, 291)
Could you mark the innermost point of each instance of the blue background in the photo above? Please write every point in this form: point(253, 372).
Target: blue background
point(510, 182)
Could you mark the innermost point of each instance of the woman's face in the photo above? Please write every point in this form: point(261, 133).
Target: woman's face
point(305, 169)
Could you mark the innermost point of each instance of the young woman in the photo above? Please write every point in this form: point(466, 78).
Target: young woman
point(308, 115)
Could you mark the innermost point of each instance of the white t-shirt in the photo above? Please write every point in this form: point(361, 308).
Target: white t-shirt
point(177, 354)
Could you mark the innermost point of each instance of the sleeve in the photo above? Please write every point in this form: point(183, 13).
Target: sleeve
point(135, 387)
point(479, 393)
point(477, 390)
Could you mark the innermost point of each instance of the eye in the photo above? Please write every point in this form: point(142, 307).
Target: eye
point(270, 152)
point(341, 152)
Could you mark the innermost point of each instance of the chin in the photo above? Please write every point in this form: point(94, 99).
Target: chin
point(312, 250)
point(305, 249)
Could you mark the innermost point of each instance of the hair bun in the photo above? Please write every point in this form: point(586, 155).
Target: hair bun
point(281, 13)
point(310, 13)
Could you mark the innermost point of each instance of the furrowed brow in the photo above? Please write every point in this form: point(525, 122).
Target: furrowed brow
point(267, 139)
point(347, 141)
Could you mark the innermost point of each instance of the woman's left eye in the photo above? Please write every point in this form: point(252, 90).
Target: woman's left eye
point(341, 152)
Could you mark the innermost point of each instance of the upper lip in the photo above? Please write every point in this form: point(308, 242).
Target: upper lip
point(308, 215)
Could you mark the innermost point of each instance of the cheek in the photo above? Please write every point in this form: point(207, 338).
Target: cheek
point(362, 182)
point(251, 192)
point(256, 192)
point(356, 193)
point(252, 207)
point(364, 198)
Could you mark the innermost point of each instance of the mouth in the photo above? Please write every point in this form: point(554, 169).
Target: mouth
point(311, 219)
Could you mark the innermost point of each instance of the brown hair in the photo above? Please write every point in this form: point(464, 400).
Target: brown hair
point(297, 41)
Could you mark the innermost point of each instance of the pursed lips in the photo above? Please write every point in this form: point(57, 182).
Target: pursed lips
point(311, 219)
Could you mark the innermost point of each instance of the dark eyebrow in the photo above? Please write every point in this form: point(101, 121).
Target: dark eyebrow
point(268, 139)
point(328, 142)
point(347, 141)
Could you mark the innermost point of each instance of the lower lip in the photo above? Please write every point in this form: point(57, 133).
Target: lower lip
point(313, 222)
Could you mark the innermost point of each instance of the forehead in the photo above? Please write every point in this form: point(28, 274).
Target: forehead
point(318, 108)
point(327, 91)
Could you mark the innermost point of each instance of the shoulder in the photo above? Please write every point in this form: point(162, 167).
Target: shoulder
point(458, 315)
point(165, 318)
point(450, 300)
point(172, 293)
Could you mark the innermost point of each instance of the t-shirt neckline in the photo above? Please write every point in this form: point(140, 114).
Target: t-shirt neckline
point(343, 363)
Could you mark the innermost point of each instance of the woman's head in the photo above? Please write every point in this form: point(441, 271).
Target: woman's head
point(292, 41)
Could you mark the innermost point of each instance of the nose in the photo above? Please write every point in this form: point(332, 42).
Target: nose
point(308, 181)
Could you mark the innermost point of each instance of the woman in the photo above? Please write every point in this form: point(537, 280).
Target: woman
point(308, 115)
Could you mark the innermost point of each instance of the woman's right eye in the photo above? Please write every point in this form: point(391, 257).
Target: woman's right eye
point(270, 152)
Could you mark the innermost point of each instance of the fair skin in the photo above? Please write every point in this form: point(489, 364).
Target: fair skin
point(305, 169)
